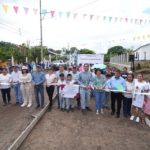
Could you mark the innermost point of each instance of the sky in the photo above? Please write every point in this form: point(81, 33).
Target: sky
point(99, 33)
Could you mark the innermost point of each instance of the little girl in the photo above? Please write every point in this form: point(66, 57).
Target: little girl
point(146, 107)
point(138, 99)
point(61, 84)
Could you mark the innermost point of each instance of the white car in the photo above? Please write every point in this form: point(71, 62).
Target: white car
point(58, 62)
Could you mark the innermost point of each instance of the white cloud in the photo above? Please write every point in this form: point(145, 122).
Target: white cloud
point(58, 32)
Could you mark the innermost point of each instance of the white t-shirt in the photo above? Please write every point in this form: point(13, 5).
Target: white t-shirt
point(25, 78)
point(50, 78)
point(138, 99)
point(61, 85)
point(5, 81)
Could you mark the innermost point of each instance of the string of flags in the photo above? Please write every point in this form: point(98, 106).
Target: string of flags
point(53, 14)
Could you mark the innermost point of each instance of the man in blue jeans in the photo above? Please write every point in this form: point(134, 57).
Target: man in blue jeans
point(38, 79)
point(16, 84)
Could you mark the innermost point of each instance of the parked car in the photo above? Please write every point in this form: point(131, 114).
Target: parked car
point(58, 62)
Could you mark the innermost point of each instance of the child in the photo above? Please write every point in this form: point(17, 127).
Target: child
point(138, 99)
point(69, 101)
point(146, 107)
point(61, 84)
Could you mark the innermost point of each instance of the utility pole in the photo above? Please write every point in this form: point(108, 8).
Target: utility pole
point(41, 32)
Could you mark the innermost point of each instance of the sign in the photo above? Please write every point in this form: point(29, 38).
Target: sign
point(90, 58)
point(70, 91)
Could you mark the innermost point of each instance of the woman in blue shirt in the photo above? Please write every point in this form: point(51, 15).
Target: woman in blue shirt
point(99, 82)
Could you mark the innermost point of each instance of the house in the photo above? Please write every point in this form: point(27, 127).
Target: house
point(142, 53)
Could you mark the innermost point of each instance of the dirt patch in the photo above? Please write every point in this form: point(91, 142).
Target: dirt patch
point(14, 120)
point(74, 131)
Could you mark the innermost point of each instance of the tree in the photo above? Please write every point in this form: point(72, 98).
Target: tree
point(86, 51)
point(116, 50)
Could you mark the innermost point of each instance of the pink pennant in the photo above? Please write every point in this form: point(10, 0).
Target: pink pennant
point(91, 17)
point(35, 11)
point(136, 21)
point(75, 15)
point(84, 15)
point(126, 19)
point(141, 21)
point(16, 9)
point(52, 13)
point(26, 9)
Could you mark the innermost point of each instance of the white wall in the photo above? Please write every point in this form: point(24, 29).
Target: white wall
point(143, 53)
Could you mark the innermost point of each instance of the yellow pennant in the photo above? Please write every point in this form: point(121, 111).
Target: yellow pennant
point(5, 7)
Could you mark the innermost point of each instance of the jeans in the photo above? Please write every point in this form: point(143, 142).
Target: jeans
point(6, 95)
point(69, 103)
point(99, 99)
point(39, 89)
point(85, 97)
point(61, 101)
point(127, 106)
point(107, 99)
point(18, 93)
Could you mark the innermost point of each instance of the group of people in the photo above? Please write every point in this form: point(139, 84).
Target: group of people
point(105, 85)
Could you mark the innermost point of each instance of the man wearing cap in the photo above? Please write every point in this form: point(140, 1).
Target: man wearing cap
point(16, 85)
point(38, 78)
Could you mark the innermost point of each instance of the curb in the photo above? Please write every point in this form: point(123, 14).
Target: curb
point(16, 144)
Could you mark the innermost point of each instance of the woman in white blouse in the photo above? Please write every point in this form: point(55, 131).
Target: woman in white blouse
point(50, 79)
point(5, 84)
point(25, 79)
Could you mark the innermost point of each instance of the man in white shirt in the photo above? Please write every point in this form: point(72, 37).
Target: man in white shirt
point(16, 85)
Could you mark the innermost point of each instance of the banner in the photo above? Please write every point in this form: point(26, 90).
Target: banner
point(90, 58)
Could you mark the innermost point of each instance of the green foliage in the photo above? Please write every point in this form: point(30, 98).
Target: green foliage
point(86, 51)
point(116, 50)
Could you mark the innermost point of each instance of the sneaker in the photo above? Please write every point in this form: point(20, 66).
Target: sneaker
point(29, 105)
point(132, 118)
point(97, 112)
point(23, 105)
point(137, 119)
point(147, 121)
point(102, 111)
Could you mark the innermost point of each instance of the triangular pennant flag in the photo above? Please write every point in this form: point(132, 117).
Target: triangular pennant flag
point(60, 14)
point(131, 20)
point(136, 21)
point(5, 7)
point(121, 19)
point(75, 15)
point(116, 18)
point(104, 18)
point(52, 13)
point(143, 36)
point(84, 15)
point(16, 9)
point(134, 38)
point(141, 21)
point(97, 18)
point(35, 11)
point(126, 19)
point(110, 18)
point(68, 14)
point(91, 17)
point(26, 9)
point(148, 35)
point(145, 22)
point(44, 11)
point(138, 37)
